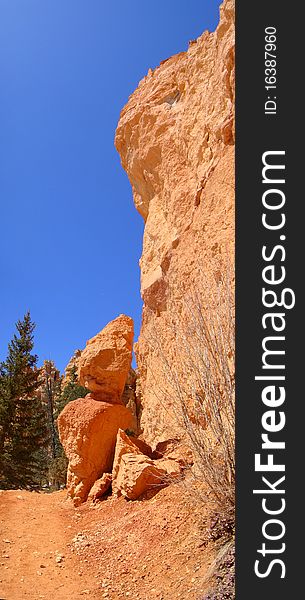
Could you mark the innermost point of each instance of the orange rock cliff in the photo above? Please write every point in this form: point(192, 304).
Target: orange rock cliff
point(175, 137)
point(176, 141)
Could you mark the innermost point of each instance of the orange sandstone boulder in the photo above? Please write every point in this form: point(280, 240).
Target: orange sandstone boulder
point(172, 469)
point(105, 362)
point(134, 473)
point(100, 487)
point(130, 443)
point(123, 446)
point(137, 473)
point(88, 431)
point(143, 447)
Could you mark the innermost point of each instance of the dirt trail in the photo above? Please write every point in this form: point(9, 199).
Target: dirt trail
point(149, 549)
point(35, 558)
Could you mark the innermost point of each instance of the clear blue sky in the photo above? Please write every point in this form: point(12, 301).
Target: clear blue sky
point(70, 236)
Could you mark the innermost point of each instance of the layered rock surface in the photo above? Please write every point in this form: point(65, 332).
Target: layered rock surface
point(176, 141)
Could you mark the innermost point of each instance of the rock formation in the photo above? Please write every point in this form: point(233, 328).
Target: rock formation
point(105, 362)
point(123, 446)
point(72, 366)
point(176, 141)
point(100, 487)
point(138, 474)
point(134, 473)
point(88, 430)
point(88, 426)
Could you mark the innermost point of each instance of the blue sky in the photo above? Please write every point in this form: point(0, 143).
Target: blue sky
point(70, 237)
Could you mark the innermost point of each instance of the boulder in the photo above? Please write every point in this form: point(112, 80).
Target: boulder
point(142, 446)
point(88, 430)
point(172, 469)
point(104, 364)
point(164, 447)
point(134, 473)
point(130, 443)
point(123, 446)
point(100, 487)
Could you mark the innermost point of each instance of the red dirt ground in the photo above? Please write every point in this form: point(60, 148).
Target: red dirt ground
point(145, 550)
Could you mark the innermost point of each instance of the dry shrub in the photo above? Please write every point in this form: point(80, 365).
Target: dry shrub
point(199, 383)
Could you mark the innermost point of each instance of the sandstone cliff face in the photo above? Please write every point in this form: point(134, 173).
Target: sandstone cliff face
point(176, 141)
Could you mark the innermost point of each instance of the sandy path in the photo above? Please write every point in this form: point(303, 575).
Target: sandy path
point(35, 557)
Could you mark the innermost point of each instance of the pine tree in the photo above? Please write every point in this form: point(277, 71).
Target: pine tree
point(23, 419)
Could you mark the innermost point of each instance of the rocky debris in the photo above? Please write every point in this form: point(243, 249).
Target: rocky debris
point(81, 541)
point(59, 558)
point(135, 473)
point(105, 362)
point(88, 431)
point(100, 487)
point(175, 137)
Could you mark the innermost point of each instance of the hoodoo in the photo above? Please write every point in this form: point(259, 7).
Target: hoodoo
point(88, 426)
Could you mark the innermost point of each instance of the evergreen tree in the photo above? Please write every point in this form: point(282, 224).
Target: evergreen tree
point(23, 419)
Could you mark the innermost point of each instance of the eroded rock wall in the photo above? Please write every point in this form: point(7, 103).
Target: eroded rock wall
point(176, 141)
